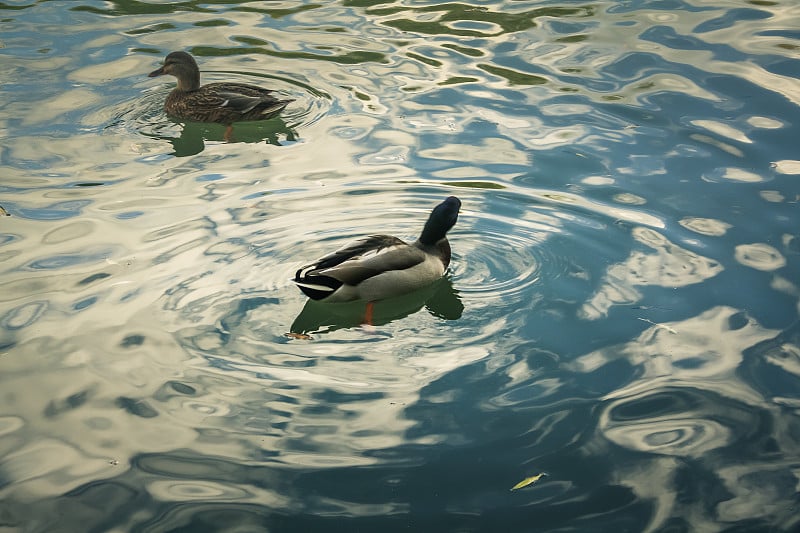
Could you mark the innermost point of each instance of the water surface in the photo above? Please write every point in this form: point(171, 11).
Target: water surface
point(621, 312)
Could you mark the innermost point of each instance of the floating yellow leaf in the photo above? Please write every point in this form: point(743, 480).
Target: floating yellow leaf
point(528, 481)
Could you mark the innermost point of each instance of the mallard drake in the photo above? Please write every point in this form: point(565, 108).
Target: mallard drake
point(223, 103)
point(382, 266)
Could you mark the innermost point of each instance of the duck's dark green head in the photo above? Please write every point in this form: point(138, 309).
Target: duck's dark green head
point(443, 217)
point(183, 66)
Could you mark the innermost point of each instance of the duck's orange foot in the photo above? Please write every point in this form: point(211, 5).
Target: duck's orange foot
point(368, 313)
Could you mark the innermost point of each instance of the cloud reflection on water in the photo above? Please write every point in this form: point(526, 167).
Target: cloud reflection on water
point(670, 266)
point(689, 399)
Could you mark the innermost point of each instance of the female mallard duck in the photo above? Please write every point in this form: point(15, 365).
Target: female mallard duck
point(223, 103)
point(382, 266)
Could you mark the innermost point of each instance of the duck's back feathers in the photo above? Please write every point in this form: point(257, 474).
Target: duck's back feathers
point(366, 251)
point(243, 99)
point(355, 264)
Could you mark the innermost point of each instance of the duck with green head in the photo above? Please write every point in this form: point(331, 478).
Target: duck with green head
point(382, 266)
point(222, 103)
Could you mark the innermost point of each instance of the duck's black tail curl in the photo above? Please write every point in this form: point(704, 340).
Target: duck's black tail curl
point(316, 287)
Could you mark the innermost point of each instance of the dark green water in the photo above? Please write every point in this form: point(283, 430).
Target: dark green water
point(621, 312)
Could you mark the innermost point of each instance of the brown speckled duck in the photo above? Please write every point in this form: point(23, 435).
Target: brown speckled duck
point(223, 103)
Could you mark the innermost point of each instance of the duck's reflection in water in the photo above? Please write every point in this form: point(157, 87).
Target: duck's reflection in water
point(193, 136)
point(440, 299)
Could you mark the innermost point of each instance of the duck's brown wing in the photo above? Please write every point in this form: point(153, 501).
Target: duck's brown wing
point(226, 102)
point(244, 104)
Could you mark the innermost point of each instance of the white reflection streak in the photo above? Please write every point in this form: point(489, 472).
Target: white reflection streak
point(703, 351)
point(670, 266)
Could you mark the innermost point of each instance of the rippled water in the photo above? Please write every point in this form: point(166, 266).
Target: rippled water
point(621, 312)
